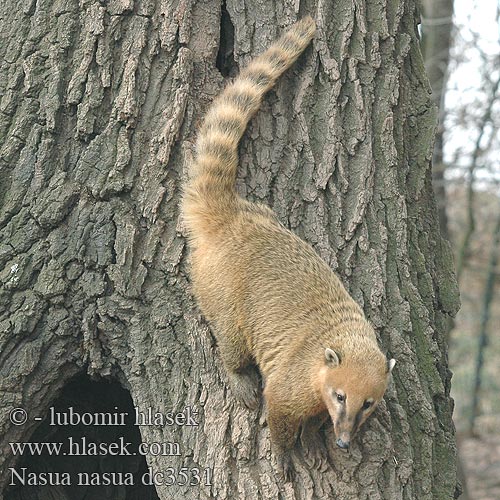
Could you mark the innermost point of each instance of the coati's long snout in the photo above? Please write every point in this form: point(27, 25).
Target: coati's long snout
point(344, 445)
point(345, 428)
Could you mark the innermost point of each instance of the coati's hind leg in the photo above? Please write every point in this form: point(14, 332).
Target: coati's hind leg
point(245, 387)
point(243, 380)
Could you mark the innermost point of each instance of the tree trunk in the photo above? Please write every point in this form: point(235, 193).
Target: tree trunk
point(100, 107)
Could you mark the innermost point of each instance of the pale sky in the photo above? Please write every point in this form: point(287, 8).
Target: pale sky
point(474, 20)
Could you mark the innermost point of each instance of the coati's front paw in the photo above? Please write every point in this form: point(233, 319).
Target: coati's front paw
point(245, 388)
point(285, 466)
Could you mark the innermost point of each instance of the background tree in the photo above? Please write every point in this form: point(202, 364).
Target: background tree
point(485, 316)
point(99, 111)
point(437, 28)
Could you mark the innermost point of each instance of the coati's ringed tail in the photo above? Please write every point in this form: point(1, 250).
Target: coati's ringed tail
point(209, 196)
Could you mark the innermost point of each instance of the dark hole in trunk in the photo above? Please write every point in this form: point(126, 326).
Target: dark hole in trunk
point(86, 397)
point(225, 57)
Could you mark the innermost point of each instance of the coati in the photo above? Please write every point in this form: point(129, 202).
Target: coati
point(267, 295)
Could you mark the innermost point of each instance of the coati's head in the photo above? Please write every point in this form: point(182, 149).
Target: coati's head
point(352, 388)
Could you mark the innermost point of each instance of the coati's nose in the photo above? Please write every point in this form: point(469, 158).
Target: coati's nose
point(342, 444)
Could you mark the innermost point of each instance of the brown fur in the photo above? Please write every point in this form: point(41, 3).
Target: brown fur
point(267, 295)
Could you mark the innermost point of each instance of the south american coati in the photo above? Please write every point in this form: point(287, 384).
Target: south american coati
point(269, 298)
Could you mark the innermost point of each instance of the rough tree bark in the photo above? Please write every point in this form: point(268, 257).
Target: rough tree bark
point(99, 109)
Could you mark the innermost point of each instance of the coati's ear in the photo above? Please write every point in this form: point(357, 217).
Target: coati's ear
point(332, 359)
point(390, 365)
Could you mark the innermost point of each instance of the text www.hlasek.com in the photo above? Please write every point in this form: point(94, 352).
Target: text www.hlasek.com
point(83, 447)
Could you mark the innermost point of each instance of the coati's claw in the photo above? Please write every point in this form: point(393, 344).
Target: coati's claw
point(245, 388)
point(285, 467)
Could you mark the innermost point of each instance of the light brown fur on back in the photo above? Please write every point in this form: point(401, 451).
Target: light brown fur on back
point(267, 295)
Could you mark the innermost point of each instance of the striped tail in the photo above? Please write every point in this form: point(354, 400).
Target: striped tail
point(210, 199)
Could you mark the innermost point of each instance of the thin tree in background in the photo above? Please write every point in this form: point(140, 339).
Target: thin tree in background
point(488, 298)
point(437, 28)
point(477, 155)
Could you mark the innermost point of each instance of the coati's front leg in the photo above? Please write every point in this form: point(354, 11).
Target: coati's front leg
point(312, 425)
point(312, 442)
point(242, 380)
point(284, 430)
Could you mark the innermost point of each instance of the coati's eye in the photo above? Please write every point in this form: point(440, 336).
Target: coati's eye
point(367, 404)
point(340, 397)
